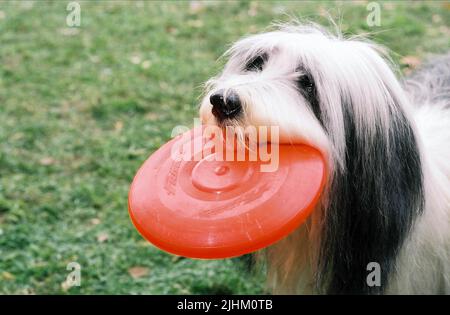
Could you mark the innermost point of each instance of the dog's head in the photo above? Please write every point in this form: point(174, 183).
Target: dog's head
point(307, 82)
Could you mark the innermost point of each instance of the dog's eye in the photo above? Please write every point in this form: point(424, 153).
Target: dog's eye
point(256, 64)
point(307, 87)
point(306, 84)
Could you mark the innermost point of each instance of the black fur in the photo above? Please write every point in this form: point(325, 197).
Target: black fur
point(372, 206)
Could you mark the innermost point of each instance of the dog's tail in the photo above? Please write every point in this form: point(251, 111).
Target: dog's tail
point(431, 83)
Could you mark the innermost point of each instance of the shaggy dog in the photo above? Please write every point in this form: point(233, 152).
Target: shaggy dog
point(387, 145)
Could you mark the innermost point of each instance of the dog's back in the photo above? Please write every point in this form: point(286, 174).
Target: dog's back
point(431, 84)
point(429, 245)
point(429, 90)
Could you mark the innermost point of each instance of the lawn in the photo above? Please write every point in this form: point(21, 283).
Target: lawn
point(82, 108)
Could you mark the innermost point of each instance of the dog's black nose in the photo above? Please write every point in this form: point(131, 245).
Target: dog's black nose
point(225, 107)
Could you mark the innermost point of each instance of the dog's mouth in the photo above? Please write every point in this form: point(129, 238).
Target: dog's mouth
point(233, 119)
point(224, 123)
point(224, 114)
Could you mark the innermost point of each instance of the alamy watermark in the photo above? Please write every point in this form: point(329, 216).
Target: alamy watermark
point(73, 279)
point(73, 19)
point(230, 143)
point(374, 277)
point(374, 17)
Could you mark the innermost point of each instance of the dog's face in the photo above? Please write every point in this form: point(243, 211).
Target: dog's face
point(302, 81)
point(270, 79)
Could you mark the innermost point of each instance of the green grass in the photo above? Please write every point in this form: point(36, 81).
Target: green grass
point(81, 109)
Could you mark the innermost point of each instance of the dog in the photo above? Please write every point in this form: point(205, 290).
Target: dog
point(387, 148)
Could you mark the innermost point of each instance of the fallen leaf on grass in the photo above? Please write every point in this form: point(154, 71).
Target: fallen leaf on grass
point(171, 30)
point(95, 221)
point(46, 161)
point(138, 272)
point(17, 136)
point(151, 116)
point(146, 64)
point(102, 237)
point(411, 61)
point(7, 275)
point(118, 125)
point(135, 59)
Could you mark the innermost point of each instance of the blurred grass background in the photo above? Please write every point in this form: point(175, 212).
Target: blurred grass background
point(82, 108)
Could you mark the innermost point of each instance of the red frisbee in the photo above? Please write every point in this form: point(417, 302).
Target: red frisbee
point(188, 202)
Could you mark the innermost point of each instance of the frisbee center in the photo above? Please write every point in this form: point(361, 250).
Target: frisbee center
point(221, 170)
point(217, 176)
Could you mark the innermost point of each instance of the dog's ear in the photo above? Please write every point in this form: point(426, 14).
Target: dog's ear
point(375, 191)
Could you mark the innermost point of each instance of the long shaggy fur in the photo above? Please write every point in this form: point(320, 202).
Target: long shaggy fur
point(387, 198)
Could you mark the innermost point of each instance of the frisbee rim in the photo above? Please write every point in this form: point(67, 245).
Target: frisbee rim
point(234, 249)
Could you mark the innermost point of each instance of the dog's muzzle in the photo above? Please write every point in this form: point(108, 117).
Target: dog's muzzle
point(225, 107)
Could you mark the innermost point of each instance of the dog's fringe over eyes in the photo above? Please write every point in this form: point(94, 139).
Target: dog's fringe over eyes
point(387, 198)
point(257, 63)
